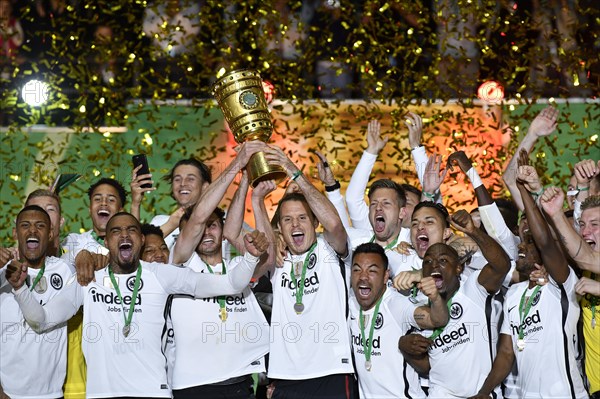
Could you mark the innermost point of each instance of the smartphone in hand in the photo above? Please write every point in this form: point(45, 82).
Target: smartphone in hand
point(140, 159)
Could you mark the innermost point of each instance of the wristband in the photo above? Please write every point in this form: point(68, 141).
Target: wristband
point(428, 195)
point(583, 188)
point(414, 148)
point(474, 178)
point(297, 174)
point(333, 187)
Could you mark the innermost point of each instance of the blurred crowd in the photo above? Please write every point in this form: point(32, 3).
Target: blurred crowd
point(311, 49)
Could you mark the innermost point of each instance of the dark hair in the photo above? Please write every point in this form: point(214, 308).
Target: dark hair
point(293, 197)
point(410, 188)
point(510, 213)
point(441, 209)
point(201, 166)
point(123, 213)
point(387, 183)
point(148, 229)
point(33, 208)
point(40, 192)
point(188, 214)
point(111, 182)
point(371, 248)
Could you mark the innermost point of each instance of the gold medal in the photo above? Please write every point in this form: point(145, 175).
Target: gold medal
point(299, 308)
point(126, 330)
point(223, 314)
point(593, 322)
point(520, 344)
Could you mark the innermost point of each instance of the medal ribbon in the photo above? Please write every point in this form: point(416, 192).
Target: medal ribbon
point(38, 277)
point(300, 291)
point(136, 286)
point(221, 298)
point(523, 312)
point(99, 240)
point(439, 330)
point(368, 344)
point(389, 246)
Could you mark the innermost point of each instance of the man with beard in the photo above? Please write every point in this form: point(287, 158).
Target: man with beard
point(33, 365)
point(188, 178)
point(310, 353)
point(468, 337)
point(377, 308)
point(107, 197)
point(539, 330)
point(231, 329)
point(123, 309)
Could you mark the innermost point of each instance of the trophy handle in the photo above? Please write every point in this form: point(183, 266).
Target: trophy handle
point(260, 170)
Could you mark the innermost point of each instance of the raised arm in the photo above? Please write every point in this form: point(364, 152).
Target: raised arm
point(493, 273)
point(334, 231)
point(137, 191)
point(177, 280)
point(436, 314)
point(580, 251)
point(333, 188)
point(262, 222)
point(552, 257)
point(355, 193)
point(191, 235)
point(543, 125)
point(232, 230)
point(433, 178)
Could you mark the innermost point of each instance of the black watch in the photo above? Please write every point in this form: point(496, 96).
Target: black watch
point(333, 187)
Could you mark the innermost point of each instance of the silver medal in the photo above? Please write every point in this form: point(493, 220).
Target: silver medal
point(299, 308)
point(593, 322)
point(126, 329)
point(368, 365)
point(520, 344)
point(41, 286)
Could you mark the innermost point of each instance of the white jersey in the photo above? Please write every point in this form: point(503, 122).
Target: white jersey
point(390, 375)
point(159, 220)
point(132, 365)
point(547, 365)
point(315, 343)
point(467, 345)
point(74, 243)
point(208, 350)
point(33, 365)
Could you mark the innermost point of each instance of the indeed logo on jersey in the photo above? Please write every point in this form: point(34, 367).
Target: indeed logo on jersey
point(112, 298)
point(229, 299)
point(529, 325)
point(312, 281)
point(451, 339)
point(357, 340)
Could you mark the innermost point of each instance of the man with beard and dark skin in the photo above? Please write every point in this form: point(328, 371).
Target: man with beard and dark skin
point(376, 308)
point(470, 304)
point(539, 330)
point(124, 308)
point(33, 365)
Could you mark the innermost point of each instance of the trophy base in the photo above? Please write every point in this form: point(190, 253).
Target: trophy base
point(260, 170)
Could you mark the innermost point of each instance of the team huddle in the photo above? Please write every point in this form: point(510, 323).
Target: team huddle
point(334, 296)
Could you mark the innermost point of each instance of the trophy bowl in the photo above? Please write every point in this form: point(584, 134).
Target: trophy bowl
point(241, 98)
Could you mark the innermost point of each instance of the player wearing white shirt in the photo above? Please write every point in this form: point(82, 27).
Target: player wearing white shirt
point(123, 310)
point(188, 178)
point(378, 317)
point(107, 197)
point(33, 365)
point(310, 352)
point(467, 340)
point(540, 322)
